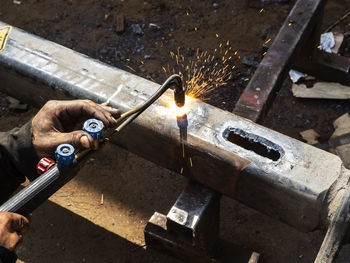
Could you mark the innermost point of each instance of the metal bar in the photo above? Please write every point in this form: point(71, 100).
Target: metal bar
point(195, 217)
point(32, 196)
point(285, 178)
point(273, 69)
point(190, 230)
point(337, 230)
point(329, 67)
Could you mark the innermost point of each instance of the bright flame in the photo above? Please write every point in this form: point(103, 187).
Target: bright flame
point(177, 111)
point(174, 110)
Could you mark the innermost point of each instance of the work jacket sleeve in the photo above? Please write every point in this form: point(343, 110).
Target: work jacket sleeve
point(18, 159)
point(7, 256)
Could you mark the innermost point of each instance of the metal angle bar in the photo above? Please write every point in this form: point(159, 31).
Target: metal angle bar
point(337, 230)
point(285, 178)
point(273, 69)
point(326, 66)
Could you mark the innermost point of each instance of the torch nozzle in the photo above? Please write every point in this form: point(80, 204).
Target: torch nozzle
point(179, 92)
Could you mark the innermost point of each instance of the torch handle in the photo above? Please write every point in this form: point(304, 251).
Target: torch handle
point(33, 195)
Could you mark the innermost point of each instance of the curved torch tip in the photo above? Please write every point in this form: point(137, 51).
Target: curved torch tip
point(179, 92)
point(179, 97)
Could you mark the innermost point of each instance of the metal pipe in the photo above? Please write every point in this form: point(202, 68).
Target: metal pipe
point(32, 196)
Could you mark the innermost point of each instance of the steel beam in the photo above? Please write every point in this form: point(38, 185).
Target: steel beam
point(284, 177)
point(273, 69)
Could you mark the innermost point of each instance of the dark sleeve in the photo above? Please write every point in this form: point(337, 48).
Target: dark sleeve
point(7, 256)
point(18, 159)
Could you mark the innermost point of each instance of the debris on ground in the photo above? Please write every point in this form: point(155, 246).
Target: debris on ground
point(136, 28)
point(310, 136)
point(119, 24)
point(338, 38)
point(322, 90)
point(216, 5)
point(295, 75)
point(340, 139)
point(327, 42)
point(16, 105)
point(330, 42)
point(153, 26)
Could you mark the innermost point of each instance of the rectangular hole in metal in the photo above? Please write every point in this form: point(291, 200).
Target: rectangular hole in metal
point(255, 143)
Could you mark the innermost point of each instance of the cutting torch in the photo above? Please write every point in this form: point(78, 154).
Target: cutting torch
point(54, 174)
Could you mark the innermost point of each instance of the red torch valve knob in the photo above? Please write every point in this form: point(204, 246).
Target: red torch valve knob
point(44, 165)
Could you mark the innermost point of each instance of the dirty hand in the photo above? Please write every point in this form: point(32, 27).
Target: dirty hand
point(53, 124)
point(12, 228)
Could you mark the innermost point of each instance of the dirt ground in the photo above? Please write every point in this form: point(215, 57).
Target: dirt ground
point(75, 225)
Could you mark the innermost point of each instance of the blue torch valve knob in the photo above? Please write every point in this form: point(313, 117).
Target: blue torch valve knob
point(65, 154)
point(94, 128)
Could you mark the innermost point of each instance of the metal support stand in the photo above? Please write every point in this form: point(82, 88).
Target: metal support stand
point(326, 66)
point(191, 228)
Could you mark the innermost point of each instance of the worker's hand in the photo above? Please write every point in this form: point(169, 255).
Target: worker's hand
point(53, 124)
point(12, 228)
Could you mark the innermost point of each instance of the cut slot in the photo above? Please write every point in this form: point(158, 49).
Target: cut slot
point(255, 143)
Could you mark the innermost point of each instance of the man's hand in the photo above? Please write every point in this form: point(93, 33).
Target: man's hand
point(12, 228)
point(53, 124)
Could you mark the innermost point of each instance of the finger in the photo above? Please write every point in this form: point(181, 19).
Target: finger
point(111, 121)
point(94, 110)
point(88, 108)
point(115, 112)
point(110, 113)
point(19, 223)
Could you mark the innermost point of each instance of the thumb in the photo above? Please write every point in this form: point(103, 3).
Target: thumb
point(81, 139)
point(78, 139)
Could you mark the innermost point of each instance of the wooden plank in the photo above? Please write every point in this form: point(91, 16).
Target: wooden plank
point(322, 90)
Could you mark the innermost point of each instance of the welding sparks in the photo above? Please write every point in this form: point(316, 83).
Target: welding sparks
point(130, 68)
point(206, 71)
point(267, 41)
